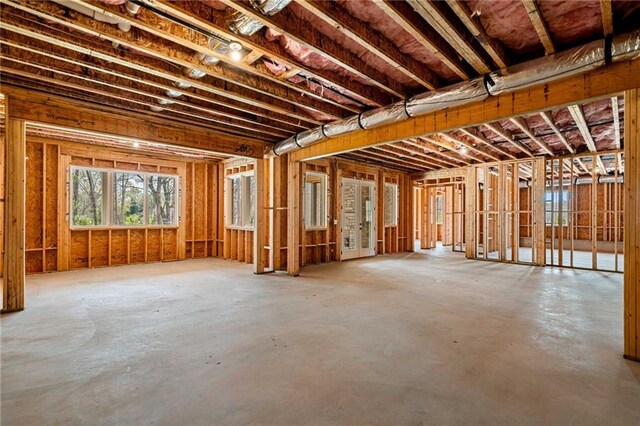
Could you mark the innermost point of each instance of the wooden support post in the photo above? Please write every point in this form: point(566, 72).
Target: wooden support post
point(538, 188)
point(259, 226)
point(632, 224)
point(471, 185)
point(293, 218)
point(14, 218)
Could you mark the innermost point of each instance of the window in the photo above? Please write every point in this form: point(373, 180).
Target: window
point(315, 200)
point(88, 205)
point(128, 199)
point(122, 198)
point(390, 204)
point(439, 209)
point(240, 201)
point(161, 201)
point(552, 207)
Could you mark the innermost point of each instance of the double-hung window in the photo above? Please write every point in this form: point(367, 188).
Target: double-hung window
point(102, 198)
point(554, 202)
point(240, 209)
point(315, 200)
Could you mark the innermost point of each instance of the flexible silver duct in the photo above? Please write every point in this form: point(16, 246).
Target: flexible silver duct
point(247, 26)
point(581, 180)
point(543, 70)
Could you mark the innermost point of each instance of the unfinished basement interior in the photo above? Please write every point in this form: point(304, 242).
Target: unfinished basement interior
point(291, 212)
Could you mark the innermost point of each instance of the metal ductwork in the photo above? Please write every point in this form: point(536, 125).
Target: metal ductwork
point(247, 26)
point(108, 18)
point(543, 70)
point(580, 180)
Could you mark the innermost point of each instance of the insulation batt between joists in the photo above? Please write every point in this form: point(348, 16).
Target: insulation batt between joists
point(560, 65)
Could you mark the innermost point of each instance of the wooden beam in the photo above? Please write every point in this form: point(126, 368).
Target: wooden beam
point(470, 146)
point(425, 154)
point(407, 157)
point(596, 84)
point(477, 135)
point(404, 15)
point(546, 116)
point(158, 55)
point(216, 23)
point(16, 45)
point(259, 234)
point(616, 130)
point(508, 136)
point(632, 225)
point(578, 116)
point(14, 217)
point(447, 24)
point(286, 22)
point(522, 125)
point(293, 217)
point(165, 29)
point(435, 149)
point(450, 144)
point(491, 45)
point(607, 17)
point(539, 25)
point(373, 41)
point(35, 107)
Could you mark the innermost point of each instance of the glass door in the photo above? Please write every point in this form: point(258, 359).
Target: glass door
point(358, 218)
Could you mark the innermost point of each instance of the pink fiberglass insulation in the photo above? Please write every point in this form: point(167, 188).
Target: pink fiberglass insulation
point(367, 11)
point(508, 22)
point(363, 53)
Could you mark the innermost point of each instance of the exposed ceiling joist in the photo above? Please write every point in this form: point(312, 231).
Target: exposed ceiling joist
point(492, 46)
point(234, 81)
point(476, 135)
point(287, 23)
point(451, 146)
point(165, 30)
point(446, 23)
point(111, 71)
point(407, 158)
point(546, 116)
point(371, 40)
point(508, 136)
point(616, 130)
point(424, 152)
point(415, 155)
point(404, 15)
point(216, 24)
point(470, 146)
point(539, 24)
point(374, 158)
point(454, 160)
point(522, 125)
point(578, 116)
point(607, 17)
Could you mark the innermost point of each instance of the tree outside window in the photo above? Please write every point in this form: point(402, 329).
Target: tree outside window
point(88, 203)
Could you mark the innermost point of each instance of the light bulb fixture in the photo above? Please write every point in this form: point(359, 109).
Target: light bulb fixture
point(136, 145)
point(163, 101)
point(182, 84)
point(155, 108)
point(463, 150)
point(235, 51)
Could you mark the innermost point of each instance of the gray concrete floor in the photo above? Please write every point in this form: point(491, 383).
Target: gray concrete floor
point(424, 338)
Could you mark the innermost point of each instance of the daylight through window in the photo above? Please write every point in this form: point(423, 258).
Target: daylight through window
point(390, 204)
point(240, 200)
point(315, 200)
point(122, 198)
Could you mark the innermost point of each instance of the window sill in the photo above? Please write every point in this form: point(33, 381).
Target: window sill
point(240, 228)
point(121, 228)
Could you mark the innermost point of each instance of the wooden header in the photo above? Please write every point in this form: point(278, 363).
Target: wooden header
point(40, 108)
point(599, 83)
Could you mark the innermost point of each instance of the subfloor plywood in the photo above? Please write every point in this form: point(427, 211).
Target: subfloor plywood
point(422, 338)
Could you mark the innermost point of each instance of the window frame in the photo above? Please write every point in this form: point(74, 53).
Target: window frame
point(396, 204)
point(439, 208)
point(552, 196)
point(108, 207)
point(324, 177)
point(244, 195)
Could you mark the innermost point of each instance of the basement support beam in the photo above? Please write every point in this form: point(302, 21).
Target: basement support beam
point(14, 217)
point(293, 217)
point(632, 225)
point(596, 84)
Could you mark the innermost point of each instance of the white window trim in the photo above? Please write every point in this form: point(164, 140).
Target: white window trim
point(325, 198)
point(396, 190)
point(108, 200)
point(228, 200)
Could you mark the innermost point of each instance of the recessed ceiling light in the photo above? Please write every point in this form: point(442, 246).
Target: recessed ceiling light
point(136, 145)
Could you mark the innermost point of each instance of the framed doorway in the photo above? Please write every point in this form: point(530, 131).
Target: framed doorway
point(358, 217)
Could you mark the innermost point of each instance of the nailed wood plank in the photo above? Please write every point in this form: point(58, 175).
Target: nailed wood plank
point(259, 234)
point(293, 217)
point(539, 25)
point(607, 17)
point(578, 116)
point(592, 85)
point(373, 41)
point(522, 125)
point(546, 116)
point(475, 134)
point(14, 217)
point(491, 45)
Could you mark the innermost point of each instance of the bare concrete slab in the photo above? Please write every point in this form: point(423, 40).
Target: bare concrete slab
point(425, 338)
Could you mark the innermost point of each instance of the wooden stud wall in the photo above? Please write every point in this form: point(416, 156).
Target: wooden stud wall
point(237, 243)
point(51, 245)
